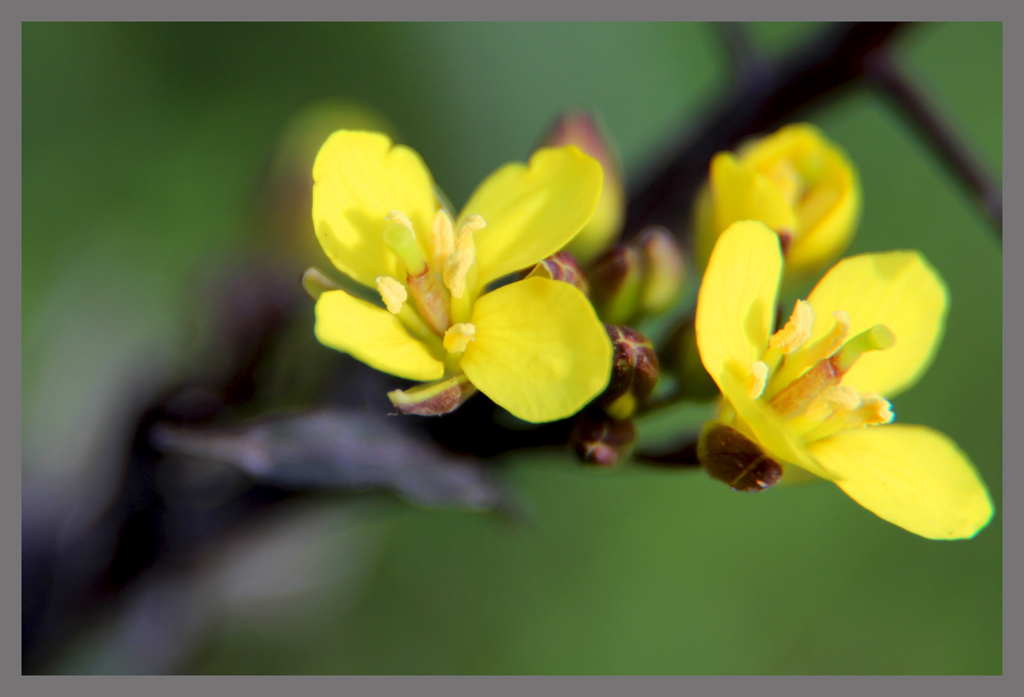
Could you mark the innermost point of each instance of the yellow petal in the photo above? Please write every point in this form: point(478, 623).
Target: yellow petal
point(912, 476)
point(539, 349)
point(767, 427)
point(741, 193)
point(532, 210)
point(736, 305)
point(359, 177)
point(897, 289)
point(828, 210)
point(828, 215)
point(374, 336)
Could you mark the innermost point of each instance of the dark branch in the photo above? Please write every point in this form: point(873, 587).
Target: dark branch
point(946, 142)
point(746, 61)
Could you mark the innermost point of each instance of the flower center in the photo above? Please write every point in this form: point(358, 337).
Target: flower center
point(802, 381)
point(441, 289)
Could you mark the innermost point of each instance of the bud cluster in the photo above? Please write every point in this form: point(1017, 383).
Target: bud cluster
point(640, 279)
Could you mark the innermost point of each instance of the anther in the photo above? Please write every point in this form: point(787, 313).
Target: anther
point(458, 336)
point(464, 235)
point(392, 292)
point(758, 379)
point(459, 262)
point(456, 268)
point(442, 239)
point(797, 330)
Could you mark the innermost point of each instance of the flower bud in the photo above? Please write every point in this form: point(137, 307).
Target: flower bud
point(634, 373)
point(583, 130)
point(616, 282)
point(731, 457)
point(664, 270)
point(601, 440)
point(561, 266)
point(796, 182)
point(433, 399)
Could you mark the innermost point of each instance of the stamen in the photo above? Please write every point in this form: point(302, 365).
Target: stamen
point(458, 336)
point(833, 399)
point(401, 240)
point(872, 410)
point(798, 362)
point(458, 264)
point(797, 330)
point(758, 378)
point(442, 239)
point(456, 267)
point(392, 292)
point(464, 235)
point(797, 397)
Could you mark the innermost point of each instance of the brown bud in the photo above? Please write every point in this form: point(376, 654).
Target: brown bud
point(634, 372)
point(731, 457)
point(601, 440)
point(616, 283)
point(561, 266)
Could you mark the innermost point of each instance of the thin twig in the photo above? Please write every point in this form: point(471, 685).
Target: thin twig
point(948, 144)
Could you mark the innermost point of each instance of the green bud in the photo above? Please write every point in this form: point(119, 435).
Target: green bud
point(731, 457)
point(634, 373)
point(616, 282)
point(664, 270)
point(601, 440)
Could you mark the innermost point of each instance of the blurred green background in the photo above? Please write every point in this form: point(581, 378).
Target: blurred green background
point(143, 147)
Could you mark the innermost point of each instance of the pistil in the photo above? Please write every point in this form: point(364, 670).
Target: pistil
point(797, 396)
point(428, 295)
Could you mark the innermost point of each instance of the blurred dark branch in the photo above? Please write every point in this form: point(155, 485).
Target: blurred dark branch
point(928, 122)
point(822, 69)
point(746, 61)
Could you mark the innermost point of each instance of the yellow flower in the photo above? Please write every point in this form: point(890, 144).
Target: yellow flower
point(814, 394)
point(794, 181)
point(534, 346)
